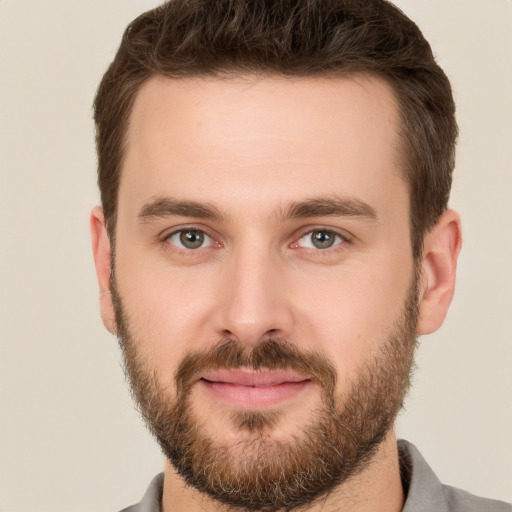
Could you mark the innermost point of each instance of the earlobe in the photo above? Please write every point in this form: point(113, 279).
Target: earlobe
point(102, 260)
point(438, 269)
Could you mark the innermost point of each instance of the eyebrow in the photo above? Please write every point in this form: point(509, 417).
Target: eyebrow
point(333, 205)
point(168, 207)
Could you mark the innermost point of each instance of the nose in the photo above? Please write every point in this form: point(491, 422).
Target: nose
point(253, 300)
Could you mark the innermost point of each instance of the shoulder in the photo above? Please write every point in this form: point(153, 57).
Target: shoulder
point(426, 493)
point(462, 501)
point(152, 499)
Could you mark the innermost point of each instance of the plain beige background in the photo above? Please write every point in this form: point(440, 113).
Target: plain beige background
point(69, 437)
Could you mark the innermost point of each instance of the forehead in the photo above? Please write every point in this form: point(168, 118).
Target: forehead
point(263, 137)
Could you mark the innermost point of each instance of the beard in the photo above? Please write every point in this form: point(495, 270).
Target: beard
point(260, 472)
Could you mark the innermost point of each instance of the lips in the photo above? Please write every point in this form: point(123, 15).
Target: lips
point(249, 389)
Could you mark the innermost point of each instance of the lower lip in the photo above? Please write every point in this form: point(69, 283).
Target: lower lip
point(247, 397)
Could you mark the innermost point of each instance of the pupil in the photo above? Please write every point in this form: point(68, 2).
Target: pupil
point(322, 239)
point(192, 239)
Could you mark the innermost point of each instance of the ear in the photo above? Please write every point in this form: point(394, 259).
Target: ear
point(102, 260)
point(438, 267)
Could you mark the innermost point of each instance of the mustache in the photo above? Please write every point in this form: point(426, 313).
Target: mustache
point(270, 354)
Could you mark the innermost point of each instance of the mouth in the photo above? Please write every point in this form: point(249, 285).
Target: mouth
point(249, 389)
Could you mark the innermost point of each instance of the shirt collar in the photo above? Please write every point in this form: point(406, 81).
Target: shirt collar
point(424, 492)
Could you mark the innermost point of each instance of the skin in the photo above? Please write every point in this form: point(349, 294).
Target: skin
point(250, 147)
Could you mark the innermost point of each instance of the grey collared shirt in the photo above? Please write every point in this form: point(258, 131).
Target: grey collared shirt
point(425, 493)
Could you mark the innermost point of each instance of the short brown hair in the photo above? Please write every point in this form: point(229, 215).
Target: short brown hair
point(185, 38)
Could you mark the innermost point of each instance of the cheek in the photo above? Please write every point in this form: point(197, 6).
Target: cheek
point(341, 311)
point(167, 312)
point(348, 314)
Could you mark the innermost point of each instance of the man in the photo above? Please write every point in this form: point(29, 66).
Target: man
point(274, 236)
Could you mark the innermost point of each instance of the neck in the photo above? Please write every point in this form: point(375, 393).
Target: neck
point(377, 487)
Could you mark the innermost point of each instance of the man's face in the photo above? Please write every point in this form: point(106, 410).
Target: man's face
point(264, 283)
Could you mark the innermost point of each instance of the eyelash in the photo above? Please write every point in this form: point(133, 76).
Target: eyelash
point(188, 252)
point(341, 245)
point(343, 239)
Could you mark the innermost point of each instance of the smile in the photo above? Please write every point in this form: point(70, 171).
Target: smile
point(245, 389)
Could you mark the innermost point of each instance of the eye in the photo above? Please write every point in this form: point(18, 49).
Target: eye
point(190, 239)
point(320, 239)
